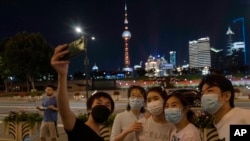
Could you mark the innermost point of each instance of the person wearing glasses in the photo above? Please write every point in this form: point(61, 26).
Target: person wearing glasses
point(126, 125)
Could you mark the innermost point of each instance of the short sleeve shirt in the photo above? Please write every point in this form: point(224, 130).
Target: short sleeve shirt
point(82, 132)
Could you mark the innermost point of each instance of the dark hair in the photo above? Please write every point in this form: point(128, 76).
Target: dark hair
point(51, 86)
point(217, 80)
point(142, 90)
point(159, 90)
point(184, 102)
point(98, 95)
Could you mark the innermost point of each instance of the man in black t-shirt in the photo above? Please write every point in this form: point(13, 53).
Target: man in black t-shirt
point(99, 106)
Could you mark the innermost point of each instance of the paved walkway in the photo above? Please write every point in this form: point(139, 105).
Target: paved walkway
point(62, 134)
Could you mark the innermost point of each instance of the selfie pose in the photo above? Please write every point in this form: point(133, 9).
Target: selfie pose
point(99, 106)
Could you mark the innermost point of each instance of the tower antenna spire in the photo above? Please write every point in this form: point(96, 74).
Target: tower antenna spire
point(126, 35)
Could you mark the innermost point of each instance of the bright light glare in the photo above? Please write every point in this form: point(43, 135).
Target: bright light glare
point(92, 38)
point(78, 29)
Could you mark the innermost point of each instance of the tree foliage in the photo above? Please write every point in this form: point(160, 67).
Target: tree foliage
point(27, 56)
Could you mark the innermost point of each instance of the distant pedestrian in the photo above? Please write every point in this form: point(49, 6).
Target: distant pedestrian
point(218, 99)
point(99, 106)
point(50, 112)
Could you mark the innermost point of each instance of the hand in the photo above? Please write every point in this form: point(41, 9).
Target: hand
point(60, 66)
point(41, 108)
point(136, 126)
point(147, 115)
point(52, 107)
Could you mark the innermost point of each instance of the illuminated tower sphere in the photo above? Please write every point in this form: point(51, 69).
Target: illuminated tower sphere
point(126, 35)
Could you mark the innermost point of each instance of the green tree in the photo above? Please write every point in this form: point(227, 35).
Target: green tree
point(5, 72)
point(27, 56)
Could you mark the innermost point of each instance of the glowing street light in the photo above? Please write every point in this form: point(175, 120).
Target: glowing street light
point(86, 59)
point(78, 30)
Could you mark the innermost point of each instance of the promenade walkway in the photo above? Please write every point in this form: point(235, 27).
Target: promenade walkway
point(62, 134)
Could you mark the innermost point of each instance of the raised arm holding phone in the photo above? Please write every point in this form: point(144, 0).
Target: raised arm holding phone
point(99, 106)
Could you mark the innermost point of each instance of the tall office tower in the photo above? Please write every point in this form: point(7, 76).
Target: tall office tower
point(199, 53)
point(126, 35)
point(172, 58)
point(230, 45)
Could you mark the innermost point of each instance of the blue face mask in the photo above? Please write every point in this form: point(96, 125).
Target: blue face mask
point(173, 115)
point(136, 103)
point(210, 103)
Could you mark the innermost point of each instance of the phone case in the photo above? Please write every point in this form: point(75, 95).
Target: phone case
point(76, 47)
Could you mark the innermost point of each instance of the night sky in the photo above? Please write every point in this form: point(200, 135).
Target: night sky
point(157, 26)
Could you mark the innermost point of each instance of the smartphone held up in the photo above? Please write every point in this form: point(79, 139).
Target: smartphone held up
point(75, 48)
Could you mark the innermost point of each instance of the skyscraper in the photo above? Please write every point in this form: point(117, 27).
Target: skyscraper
point(126, 35)
point(229, 42)
point(234, 56)
point(199, 53)
point(172, 58)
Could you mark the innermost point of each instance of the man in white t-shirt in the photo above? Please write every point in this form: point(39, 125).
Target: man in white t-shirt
point(218, 99)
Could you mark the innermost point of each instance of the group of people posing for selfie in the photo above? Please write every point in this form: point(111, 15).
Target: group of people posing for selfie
point(151, 115)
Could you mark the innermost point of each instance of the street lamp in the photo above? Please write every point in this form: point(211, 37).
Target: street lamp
point(86, 59)
point(243, 34)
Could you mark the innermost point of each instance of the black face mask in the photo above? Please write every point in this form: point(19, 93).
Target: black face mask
point(100, 113)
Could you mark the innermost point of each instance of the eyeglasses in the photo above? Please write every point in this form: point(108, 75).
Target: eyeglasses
point(136, 96)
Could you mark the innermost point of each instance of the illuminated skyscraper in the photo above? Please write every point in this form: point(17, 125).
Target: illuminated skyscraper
point(229, 42)
point(199, 53)
point(126, 35)
point(234, 56)
point(172, 58)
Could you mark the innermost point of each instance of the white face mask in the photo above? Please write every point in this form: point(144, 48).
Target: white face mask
point(173, 115)
point(210, 103)
point(155, 107)
point(136, 103)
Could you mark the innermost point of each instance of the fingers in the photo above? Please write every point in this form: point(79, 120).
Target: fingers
point(59, 52)
point(137, 126)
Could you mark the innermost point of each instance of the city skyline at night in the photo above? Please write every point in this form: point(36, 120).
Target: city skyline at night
point(157, 27)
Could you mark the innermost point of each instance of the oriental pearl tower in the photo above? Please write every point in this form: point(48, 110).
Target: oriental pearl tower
point(126, 35)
